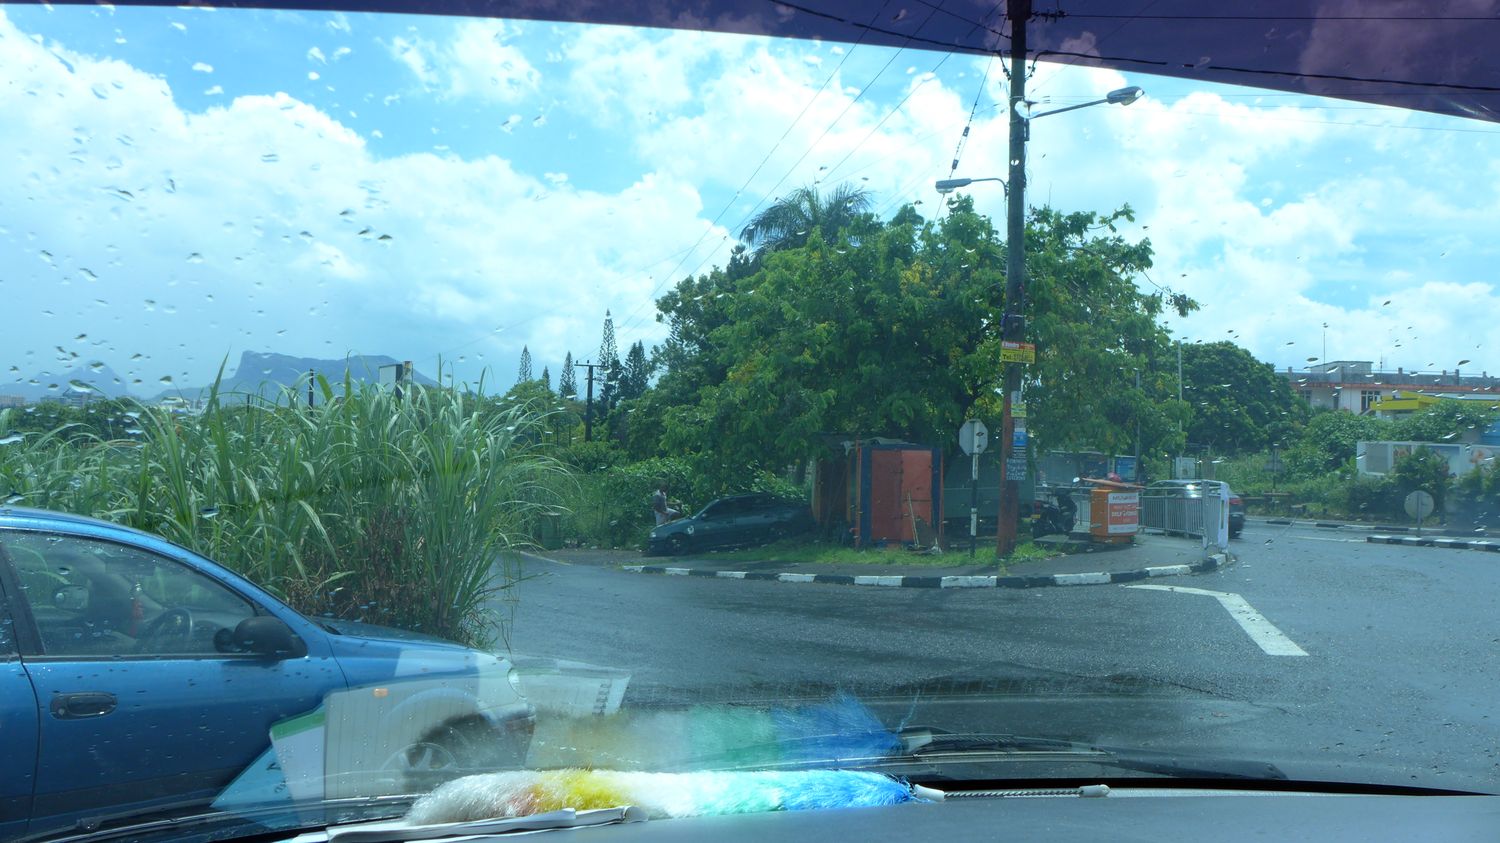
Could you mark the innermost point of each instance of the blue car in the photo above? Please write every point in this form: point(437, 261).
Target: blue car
point(138, 676)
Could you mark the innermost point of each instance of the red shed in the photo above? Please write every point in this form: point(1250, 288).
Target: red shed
point(884, 491)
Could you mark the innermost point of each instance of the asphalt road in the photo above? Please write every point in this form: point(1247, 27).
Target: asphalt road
point(1317, 651)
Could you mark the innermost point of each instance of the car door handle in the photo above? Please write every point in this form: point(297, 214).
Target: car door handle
point(80, 705)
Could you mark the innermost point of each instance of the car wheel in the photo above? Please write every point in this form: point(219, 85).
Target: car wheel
point(452, 750)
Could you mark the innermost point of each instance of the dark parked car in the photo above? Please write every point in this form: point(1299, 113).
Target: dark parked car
point(137, 675)
point(1194, 489)
point(735, 521)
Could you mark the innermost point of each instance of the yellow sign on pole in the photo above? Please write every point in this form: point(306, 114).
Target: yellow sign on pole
point(1017, 352)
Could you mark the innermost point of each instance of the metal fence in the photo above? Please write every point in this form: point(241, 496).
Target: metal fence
point(1187, 510)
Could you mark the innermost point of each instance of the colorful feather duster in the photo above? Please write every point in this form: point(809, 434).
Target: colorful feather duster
point(662, 795)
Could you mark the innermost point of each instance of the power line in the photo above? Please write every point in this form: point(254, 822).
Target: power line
point(963, 139)
point(630, 319)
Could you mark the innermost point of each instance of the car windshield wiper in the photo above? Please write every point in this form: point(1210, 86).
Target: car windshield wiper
point(929, 744)
point(162, 823)
point(391, 832)
point(932, 746)
point(227, 825)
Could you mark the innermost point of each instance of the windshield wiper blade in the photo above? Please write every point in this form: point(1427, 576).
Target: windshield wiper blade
point(398, 830)
point(166, 825)
point(929, 744)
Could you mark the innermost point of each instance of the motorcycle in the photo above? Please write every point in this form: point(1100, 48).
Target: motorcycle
point(1056, 516)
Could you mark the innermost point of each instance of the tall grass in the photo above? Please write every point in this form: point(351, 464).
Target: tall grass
point(366, 506)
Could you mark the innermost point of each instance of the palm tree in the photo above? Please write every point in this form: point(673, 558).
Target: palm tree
point(788, 221)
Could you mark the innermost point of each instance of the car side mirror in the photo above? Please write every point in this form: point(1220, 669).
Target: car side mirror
point(268, 636)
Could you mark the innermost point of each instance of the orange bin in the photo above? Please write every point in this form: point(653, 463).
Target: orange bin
point(1114, 514)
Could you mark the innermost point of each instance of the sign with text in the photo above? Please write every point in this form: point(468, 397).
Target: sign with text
point(1017, 352)
point(1123, 513)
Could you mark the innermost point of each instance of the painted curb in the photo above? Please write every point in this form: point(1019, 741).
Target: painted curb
point(1330, 525)
point(1212, 563)
point(1491, 545)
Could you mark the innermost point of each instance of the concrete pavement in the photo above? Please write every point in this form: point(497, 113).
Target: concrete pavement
point(1396, 685)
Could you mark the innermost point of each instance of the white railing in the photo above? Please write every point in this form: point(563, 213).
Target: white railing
point(1184, 511)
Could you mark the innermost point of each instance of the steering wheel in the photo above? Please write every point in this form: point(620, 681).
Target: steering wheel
point(175, 623)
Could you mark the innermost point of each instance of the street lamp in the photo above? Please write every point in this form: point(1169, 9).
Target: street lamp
point(1013, 321)
point(950, 185)
point(1120, 96)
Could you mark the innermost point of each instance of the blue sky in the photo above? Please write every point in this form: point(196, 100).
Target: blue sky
point(178, 185)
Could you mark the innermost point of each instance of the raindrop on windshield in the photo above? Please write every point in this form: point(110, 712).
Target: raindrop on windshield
point(165, 380)
point(209, 511)
point(12, 439)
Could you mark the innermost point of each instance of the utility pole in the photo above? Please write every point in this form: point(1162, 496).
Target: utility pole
point(588, 404)
point(311, 376)
point(1014, 318)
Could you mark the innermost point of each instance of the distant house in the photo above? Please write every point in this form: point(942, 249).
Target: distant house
point(12, 401)
point(1354, 386)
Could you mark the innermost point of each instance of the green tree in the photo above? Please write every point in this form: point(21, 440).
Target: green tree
point(1447, 421)
point(524, 374)
point(895, 332)
point(546, 379)
point(1094, 330)
point(567, 382)
point(635, 375)
point(609, 356)
point(1329, 439)
point(1426, 470)
point(789, 221)
point(1239, 404)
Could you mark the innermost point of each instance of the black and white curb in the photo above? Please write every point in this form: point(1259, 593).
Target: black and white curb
point(1437, 541)
point(1212, 563)
point(1331, 525)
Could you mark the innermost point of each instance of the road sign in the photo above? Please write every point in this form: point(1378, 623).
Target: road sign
point(1274, 464)
point(1017, 352)
point(1419, 504)
point(973, 437)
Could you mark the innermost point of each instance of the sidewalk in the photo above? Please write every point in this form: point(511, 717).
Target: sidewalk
point(1150, 556)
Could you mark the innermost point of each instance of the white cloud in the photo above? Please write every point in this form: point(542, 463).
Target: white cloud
point(200, 67)
point(1275, 218)
point(478, 62)
point(315, 54)
point(251, 224)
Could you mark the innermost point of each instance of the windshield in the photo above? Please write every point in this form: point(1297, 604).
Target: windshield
point(1150, 415)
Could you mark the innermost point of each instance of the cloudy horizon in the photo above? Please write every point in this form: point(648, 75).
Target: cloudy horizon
point(184, 185)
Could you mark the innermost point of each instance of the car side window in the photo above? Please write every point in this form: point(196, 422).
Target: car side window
point(99, 599)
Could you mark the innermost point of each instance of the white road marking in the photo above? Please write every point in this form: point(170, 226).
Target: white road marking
point(1270, 639)
point(1168, 570)
point(1325, 539)
point(795, 577)
point(732, 575)
point(878, 580)
point(676, 572)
